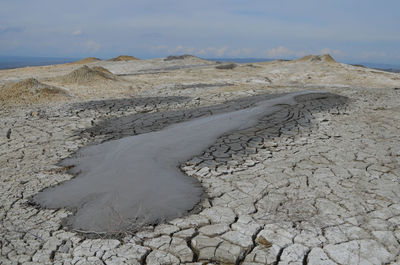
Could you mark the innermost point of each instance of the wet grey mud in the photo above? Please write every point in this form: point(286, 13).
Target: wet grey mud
point(136, 180)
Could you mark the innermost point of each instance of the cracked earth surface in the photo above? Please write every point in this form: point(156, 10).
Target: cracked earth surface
point(315, 183)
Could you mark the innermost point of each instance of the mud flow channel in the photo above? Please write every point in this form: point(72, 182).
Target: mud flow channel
point(136, 180)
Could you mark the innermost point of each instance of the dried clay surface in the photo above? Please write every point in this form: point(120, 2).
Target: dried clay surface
point(117, 183)
point(316, 182)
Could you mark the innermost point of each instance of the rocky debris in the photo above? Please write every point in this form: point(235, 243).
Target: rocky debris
point(30, 91)
point(123, 58)
point(8, 135)
point(228, 66)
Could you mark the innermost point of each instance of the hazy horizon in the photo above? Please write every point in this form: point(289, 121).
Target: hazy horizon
point(353, 31)
point(12, 61)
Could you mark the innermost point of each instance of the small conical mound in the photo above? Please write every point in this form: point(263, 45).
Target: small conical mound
point(306, 58)
point(102, 69)
point(316, 58)
point(124, 58)
point(87, 60)
point(30, 91)
point(84, 75)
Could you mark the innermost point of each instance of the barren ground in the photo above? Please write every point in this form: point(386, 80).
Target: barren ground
point(314, 183)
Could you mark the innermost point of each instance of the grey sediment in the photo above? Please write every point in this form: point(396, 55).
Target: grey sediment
point(135, 180)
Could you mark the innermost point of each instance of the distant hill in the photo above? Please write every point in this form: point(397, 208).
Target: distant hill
point(87, 60)
point(326, 58)
point(10, 62)
point(390, 70)
point(383, 67)
point(123, 58)
point(241, 60)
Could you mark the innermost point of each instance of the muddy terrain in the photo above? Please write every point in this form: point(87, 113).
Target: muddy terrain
point(313, 180)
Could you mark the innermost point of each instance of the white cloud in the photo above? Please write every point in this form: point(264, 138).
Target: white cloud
point(209, 51)
point(91, 46)
point(280, 51)
point(221, 51)
point(77, 32)
point(242, 52)
point(159, 48)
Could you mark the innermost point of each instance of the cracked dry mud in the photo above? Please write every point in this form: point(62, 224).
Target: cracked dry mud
point(315, 183)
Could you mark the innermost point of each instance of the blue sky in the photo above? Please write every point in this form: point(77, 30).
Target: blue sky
point(350, 30)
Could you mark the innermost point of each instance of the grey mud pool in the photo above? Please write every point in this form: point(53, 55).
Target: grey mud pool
point(136, 180)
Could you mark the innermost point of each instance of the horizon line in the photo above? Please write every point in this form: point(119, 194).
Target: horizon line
point(260, 59)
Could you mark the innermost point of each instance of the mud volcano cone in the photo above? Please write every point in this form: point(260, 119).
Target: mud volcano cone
point(326, 58)
point(87, 60)
point(86, 75)
point(124, 58)
point(30, 91)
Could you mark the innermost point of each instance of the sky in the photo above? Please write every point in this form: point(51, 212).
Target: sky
point(349, 30)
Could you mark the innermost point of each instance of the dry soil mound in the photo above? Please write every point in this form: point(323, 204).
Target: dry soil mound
point(86, 75)
point(87, 60)
point(103, 70)
point(317, 58)
point(30, 91)
point(124, 58)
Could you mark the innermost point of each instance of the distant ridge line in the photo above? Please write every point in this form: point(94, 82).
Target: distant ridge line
point(241, 60)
